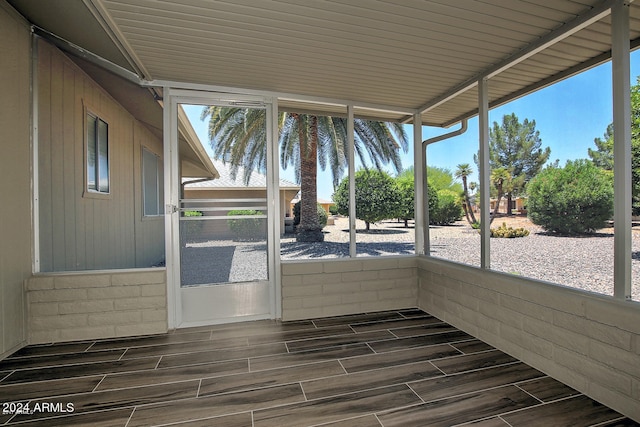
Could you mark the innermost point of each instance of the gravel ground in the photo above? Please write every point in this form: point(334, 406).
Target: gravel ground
point(581, 262)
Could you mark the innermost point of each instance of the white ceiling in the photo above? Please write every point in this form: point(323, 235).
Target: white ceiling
point(399, 55)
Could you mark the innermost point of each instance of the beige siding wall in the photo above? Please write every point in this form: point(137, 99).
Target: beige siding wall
point(313, 289)
point(79, 231)
point(68, 307)
point(589, 342)
point(15, 182)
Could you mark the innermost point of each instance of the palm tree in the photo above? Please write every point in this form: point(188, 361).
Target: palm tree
point(238, 136)
point(500, 178)
point(463, 170)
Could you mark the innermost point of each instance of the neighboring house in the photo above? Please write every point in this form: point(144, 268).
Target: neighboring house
point(227, 187)
point(326, 204)
point(517, 204)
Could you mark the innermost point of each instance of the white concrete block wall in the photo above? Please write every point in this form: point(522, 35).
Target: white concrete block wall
point(587, 341)
point(322, 288)
point(83, 306)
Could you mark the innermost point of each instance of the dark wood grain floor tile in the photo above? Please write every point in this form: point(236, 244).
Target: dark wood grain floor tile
point(394, 324)
point(269, 378)
point(411, 312)
point(168, 375)
point(34, 390)
point(243, 419)
point(357, 318)
point(365, 421)
point(621, 422)
point(574, 411)
point(453, 385)
point(419, 341)
point(60, 359)
point(460, 409)
point(182, 348)
point(341, 340)
point(50, 349)
point(113, 399)
point(151, 340)
point(85, 369)
point(195, 358)
point(257, 328)
point(335, 408)
point(218, 405)
point(472, 346)
point(453, 365)
point(303, 357)
point(490, 422)
point(547, 389)
point(350, 383)
point(112, 418)
point(400, 357)
point(297, 335)
point(432, 328)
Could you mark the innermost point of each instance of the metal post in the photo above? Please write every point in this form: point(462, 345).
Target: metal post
point(621, 149)
point(352, 181)
point(483, 125)
point(421, 198)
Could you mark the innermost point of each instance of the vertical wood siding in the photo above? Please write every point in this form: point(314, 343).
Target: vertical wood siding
point(78, 230)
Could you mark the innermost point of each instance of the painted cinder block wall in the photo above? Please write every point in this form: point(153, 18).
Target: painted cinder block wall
point(333, 287)
point(590, 342)
point(85, 306)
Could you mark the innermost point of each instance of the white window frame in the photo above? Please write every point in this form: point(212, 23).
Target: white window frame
point(98, 191)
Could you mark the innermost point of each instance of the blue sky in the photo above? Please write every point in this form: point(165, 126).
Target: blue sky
point(568, 115)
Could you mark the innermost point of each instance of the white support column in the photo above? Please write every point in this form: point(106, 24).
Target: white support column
point(622, 148)
point(483, 125)
point(421, 198)
point(352, 181)
point(273, 207)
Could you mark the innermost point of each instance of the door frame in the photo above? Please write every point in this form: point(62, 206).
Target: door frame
point(171, 99)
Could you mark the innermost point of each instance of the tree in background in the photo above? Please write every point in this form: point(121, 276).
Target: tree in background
point(377, 196)
point(406, 188)
point(442, 178)
point(463, 171)
point(602, 156)
point(238, 136)
point(576, 199)
point(516, 147)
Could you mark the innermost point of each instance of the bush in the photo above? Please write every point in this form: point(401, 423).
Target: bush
point(247, 228)
point(333, 210)
point(509, 232)
point(576, 199)
point(322, 215)
point(448, 209)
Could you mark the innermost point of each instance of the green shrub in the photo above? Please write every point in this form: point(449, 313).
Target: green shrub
point(322, 215)
point(333, 210)
point(576, 199)
point(448, 209)
point(509, 232)
point(247, 228)
point(191, 229)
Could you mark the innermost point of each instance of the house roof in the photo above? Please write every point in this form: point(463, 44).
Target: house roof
point(389, 59)
point(226, 182)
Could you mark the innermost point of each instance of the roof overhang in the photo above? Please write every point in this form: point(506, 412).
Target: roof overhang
point(387, 59)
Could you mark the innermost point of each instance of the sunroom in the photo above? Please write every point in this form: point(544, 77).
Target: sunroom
point(418, 63)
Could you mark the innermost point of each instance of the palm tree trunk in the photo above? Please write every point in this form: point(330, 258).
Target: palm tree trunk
point(498, 199)
point(309, 230)
point(467, 200)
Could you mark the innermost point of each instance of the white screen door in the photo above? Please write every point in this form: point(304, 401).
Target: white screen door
point(222, 230)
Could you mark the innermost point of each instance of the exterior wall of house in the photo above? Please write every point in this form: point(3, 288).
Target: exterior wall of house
point(107, 304)
point(80, 230)
point(589, 342)
point(334, 287)
point(15, 174)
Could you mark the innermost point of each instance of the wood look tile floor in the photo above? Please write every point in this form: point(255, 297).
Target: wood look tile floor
point(395, 368)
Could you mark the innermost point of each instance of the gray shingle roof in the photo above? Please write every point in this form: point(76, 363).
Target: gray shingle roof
point(258, 180)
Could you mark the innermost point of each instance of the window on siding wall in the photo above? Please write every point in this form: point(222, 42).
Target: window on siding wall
point(97, 154)
point(152, 183)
